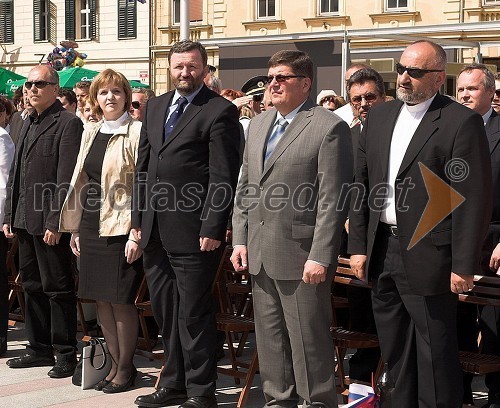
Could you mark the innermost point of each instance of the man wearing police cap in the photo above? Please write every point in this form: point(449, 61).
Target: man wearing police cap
point(255, 88)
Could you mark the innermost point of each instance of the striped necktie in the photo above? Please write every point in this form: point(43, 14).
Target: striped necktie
point(279, 129)
point(174, 117)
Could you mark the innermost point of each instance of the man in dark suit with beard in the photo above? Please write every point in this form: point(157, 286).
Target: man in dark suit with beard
point(420, 256)
point(46, 155)
point(186, 173)
point(475, 89)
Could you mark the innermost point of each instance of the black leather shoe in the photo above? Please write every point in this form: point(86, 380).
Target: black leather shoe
point(30, 360)
point(200, 402)
point(63, 369)
point(101, 384)
point(113, 388)
point(161, 397)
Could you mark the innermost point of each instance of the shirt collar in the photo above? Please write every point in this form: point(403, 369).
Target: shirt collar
point(487, 115)
point(290, 116)
point(189, 97)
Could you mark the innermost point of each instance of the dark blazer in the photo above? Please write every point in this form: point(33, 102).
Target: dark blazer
point(188, 182)
point(493, 236)
point(50, 162)
point(16, 125)
point(447, 131)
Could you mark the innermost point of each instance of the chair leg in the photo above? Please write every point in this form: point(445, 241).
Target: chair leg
point(232, 355)
point(245, 392)
point(82, 318)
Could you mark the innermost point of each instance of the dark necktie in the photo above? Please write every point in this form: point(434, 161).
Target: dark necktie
point(279, 129)
point(174, 117)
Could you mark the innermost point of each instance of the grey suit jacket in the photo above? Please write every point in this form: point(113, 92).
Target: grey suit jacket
point(286, 209)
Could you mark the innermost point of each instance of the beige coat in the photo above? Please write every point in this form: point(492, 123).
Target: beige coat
point(116, 182)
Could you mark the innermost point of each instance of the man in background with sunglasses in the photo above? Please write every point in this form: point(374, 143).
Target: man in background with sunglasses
point(475, 89)
point(46, 155)
point(286, 232)
point(418, 251)
point(496, 98)
point(140, 97)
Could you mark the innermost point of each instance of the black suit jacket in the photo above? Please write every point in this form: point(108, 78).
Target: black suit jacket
point(447, 131)
point(493, 236)
point(50, 162)
point(187, 183)
point(16, 125)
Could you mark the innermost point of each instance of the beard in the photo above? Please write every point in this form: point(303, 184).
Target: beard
point(186, 87)
point(411, 97)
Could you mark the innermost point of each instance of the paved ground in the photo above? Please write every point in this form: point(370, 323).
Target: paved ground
point(30, 388)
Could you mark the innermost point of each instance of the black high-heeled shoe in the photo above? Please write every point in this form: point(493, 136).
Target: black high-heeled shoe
point(101, 384)
point(113, 388)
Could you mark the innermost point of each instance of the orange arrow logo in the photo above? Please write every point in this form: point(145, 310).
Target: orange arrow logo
point(443, 200)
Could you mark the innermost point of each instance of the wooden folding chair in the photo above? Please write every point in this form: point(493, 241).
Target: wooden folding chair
point(143, 305)
point(231, 323)
point(16, 291)
point(344, 339)
point(486, 292)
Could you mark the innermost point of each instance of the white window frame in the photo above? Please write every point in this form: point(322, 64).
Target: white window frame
point(82, 17)
point(491, 2)
point(397, 8)
point(266, 17)
point(328, 13)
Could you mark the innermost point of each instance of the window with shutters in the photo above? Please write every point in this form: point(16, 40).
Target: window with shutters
point(41, 20)
point(195, 11)
point(396, 5)
point(127, 19)
point(6, 21)
point(328, 6)
point(80, 17)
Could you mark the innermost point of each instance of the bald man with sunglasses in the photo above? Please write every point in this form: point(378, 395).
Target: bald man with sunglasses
point(418, 264)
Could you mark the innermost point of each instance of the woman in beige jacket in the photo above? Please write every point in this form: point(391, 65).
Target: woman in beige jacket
point(97, 213)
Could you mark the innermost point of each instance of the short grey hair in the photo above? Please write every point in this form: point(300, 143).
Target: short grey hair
point(148, 93)
point(488, 77)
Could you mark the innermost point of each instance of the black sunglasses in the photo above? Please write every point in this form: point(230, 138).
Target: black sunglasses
point(414, 72)
point(497, 93)
point(282, 78)
point(356, 100)
point(38, 84)
point(136, 104)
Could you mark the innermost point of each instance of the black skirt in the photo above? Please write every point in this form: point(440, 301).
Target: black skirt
point(105, 274)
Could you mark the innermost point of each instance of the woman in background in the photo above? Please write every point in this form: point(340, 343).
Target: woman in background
point(97, 212)
point(7, 150)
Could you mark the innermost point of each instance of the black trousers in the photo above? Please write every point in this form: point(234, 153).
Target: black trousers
point(49, 291)
point(180, 287)
point(418, 335)
point(4, 287)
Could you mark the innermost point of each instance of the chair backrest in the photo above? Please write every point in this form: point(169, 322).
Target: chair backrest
point(219, 288)
point(345, 276)
point(486, 291)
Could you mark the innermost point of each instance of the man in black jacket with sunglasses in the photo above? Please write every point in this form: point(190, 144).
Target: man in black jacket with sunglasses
point(417, 234)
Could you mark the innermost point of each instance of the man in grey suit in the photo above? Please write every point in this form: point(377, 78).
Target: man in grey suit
point(287, 224)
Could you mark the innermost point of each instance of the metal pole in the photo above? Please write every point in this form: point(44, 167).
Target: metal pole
point(346, 61)
point(184, 20)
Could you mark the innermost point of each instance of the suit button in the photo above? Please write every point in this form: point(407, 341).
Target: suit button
point(157, 179)
point(261, 188)
point(262, 223)
point(160, 157)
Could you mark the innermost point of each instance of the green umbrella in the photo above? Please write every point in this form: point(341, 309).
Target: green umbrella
point(6, 78)
point(12, 86)
point(137, 84)
point(69, 77)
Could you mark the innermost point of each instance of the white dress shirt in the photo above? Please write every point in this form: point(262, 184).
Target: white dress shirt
point(407, 123)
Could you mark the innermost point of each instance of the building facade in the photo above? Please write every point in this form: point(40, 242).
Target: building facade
point(240, 35)
point(113, 33)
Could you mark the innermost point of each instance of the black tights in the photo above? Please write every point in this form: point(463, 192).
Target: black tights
point(120, 326)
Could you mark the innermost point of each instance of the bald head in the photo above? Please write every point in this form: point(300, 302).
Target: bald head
point(43, 87)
